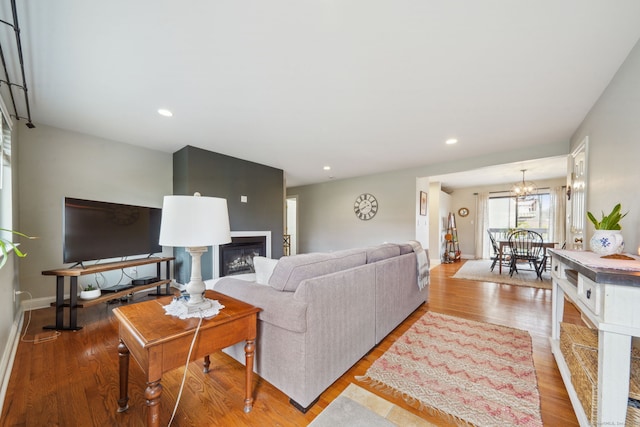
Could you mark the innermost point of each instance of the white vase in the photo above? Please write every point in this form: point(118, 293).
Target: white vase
point(607, 242)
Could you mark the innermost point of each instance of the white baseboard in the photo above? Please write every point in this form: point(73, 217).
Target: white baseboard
point(9, 354)
point(34, 304)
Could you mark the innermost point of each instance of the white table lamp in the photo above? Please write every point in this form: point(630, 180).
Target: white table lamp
point(195, 222)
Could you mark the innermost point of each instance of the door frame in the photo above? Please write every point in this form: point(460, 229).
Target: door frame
point(577, 181)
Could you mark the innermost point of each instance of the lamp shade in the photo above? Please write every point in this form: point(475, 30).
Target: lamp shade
point(193, 221)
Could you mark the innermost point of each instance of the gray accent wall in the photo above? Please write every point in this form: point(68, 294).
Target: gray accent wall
point(217, 175)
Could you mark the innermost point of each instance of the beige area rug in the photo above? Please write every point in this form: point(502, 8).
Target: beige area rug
point(357, 407)
point(476, 373)
point(480, 270)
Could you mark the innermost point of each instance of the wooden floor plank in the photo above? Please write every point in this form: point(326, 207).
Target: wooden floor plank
point(73, 380)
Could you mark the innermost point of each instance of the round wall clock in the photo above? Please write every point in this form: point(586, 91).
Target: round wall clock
point(463, 211)
point(365, 206)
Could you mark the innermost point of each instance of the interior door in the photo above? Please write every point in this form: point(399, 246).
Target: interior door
point(577, 196)
point(291, 229)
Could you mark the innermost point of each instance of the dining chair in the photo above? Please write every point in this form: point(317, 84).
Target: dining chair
point(546, 265)
point(504, 258)
point(526, 247)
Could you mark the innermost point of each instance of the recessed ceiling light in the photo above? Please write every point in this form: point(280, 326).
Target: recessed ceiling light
point(165, 112)
point(327, 168)
point(451, 141)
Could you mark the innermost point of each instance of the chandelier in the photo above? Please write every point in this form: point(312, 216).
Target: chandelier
point(524, 189)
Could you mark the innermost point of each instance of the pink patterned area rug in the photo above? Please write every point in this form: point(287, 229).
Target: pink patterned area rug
point(478, 373)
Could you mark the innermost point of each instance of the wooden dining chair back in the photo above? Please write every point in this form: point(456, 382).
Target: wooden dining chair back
point(526, 247)
point(504, 257)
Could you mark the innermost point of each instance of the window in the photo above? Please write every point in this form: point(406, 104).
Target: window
point(533, 213)
point(6, 205)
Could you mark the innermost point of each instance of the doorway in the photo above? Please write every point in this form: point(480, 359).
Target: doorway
point(465, 189)
point(291, 228)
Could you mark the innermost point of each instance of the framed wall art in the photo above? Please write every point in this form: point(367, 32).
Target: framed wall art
point(423, 203)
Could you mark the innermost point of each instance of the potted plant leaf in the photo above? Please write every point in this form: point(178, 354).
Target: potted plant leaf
point(607, 239)
point(6, 245)
point(609, 222)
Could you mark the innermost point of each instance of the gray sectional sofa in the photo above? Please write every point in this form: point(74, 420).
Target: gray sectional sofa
point(321, 312)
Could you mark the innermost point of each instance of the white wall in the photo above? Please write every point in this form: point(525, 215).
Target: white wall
point(326, 221)
point(613, 128)
point(435, 223)
point(55, 163)
point(422, 222)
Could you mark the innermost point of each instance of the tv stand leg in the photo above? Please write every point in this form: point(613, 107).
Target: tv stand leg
point(73, 306)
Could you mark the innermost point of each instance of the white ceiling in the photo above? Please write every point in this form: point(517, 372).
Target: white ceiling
point(363, 86)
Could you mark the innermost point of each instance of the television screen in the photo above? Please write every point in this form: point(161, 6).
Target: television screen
point(95, 230)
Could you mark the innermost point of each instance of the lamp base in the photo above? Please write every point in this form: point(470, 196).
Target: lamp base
point(203, 305)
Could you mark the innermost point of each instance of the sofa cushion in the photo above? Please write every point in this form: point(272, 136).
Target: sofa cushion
point(291, 270)
point(405, 248)
point(380, 252)
point(264, 268)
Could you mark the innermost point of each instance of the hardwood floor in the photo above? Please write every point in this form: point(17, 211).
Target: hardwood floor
point(73, 380)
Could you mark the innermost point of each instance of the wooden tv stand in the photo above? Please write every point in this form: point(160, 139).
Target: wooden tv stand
point(74, 272)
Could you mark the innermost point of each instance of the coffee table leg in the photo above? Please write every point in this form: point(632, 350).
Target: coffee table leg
point(207, 363)
point(123, 357)
point(152, 394)
point(249, 349)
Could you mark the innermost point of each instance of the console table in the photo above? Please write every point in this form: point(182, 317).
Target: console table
point(74, 272)
point(607, 293)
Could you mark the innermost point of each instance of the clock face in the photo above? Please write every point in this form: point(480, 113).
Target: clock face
point(463, 212)
point(365, 206)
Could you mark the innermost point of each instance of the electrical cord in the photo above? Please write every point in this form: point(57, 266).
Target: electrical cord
point(51, 338)
point(184, 376)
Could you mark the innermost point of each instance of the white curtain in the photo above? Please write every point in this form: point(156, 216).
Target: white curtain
point(557, 215)
point(482, 223)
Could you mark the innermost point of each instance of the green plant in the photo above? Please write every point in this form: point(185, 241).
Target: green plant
point(608, 222)
point(5, 245)
point(90, 288)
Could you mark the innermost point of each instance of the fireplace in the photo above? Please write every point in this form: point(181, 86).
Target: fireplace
point(237, 257)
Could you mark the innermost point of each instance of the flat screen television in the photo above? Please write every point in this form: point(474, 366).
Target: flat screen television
point(94, 230)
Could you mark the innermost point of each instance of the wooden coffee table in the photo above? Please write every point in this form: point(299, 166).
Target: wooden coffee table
point(160, 343)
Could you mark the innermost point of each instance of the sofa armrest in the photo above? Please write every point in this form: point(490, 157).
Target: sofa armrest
point(278, 308)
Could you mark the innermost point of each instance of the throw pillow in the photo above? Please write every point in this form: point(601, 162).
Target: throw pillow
point(264, 268)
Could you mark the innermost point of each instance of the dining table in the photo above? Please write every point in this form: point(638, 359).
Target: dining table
point(503, 243)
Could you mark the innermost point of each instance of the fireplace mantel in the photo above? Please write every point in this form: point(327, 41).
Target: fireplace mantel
point(216, 249)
